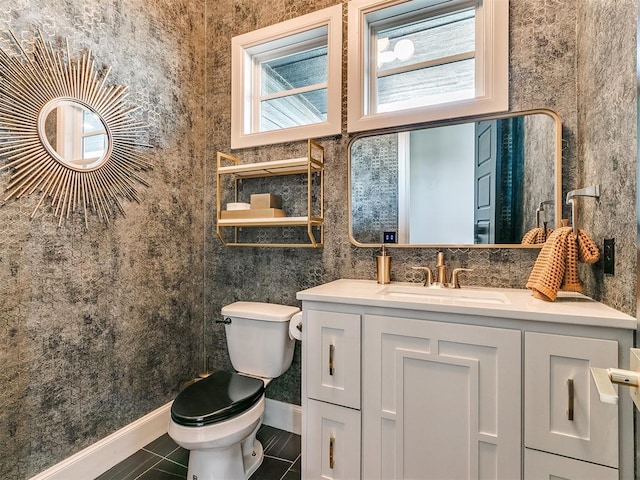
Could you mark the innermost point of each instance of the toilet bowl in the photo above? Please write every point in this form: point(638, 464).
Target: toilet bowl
point(217, 418)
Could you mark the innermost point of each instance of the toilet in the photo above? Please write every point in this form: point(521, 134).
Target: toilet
point(217, 418)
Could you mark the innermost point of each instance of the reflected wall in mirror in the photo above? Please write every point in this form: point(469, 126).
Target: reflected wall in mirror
point(476, 182)
point(65, 133)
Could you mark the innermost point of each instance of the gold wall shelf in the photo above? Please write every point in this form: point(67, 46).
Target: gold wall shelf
point(312, 164)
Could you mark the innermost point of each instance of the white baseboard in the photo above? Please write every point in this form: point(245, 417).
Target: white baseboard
point(93, 461)
point(285, 416)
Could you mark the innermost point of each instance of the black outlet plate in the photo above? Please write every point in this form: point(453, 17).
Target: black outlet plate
point(609, 256)
point(389, 237)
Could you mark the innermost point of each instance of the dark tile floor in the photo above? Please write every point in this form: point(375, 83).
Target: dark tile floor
point(162, 459)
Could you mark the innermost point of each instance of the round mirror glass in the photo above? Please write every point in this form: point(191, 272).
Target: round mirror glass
point(74, 135)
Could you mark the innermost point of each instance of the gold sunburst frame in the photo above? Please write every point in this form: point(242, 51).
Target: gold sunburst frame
point(29, 83)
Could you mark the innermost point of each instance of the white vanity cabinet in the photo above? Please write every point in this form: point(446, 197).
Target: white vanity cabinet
point(333, 358)
point(563, 413)
point(331, 408)
point(440, 400)
point(399, 387)
point(546, 466)
point(332, 441)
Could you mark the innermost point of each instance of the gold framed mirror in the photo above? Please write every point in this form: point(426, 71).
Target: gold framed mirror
point(477, 182)
point(65, 134)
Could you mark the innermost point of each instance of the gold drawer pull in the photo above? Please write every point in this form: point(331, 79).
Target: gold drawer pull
point(332, 350)
point(571, 398)
point(332, 441)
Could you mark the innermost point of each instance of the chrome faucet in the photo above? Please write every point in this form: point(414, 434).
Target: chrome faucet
point(441, 274)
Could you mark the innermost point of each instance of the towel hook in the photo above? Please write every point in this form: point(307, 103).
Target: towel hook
point(541, 209)
point(592, 191)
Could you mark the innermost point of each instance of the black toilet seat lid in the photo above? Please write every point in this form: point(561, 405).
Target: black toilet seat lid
point(218, 397)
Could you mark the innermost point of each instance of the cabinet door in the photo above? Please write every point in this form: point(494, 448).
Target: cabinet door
point(333, 357)
point(555, 365)
point(440, 401)
point(332, 443)
point(546, 466)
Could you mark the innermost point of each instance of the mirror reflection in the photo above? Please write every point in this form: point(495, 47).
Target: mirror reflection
point(480, 182)
point(75, 135)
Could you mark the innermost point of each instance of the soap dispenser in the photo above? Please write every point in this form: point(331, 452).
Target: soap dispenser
point(383, 267)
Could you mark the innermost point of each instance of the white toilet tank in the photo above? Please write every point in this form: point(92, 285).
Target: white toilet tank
point(258, 337)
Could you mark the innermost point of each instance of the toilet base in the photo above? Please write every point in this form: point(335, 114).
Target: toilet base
point(226, 450)
point(225, 464)
point(253, 461)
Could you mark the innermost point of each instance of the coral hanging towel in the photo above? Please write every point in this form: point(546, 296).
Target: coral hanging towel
point(556, 267)
point(536, 236)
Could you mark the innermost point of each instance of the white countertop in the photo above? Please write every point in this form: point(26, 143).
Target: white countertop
point(570, 308)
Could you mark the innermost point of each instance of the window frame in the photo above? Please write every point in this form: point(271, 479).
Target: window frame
point(72, 148)
point(491, 65)
point(86, 134)
point(245, 83)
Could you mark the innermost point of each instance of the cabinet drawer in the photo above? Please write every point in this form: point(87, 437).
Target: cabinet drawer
point(557, 382)
point(333, 357)
point(546, 466)
point(332, 443)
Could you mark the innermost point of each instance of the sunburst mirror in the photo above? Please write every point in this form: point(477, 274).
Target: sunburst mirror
point(65, 134)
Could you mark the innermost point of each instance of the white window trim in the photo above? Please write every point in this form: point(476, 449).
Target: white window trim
point(332, 18)
point(492, 67)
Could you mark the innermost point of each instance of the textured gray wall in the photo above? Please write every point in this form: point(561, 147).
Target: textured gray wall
point(607, 116)
point(99, 328)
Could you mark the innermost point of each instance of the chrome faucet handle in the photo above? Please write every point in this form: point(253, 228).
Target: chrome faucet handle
point(428, 275)
point(454, 276)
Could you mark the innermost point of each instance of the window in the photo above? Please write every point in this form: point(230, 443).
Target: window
point(286, 80)
point(423, 60)
point(94, 136)
point(76, 134)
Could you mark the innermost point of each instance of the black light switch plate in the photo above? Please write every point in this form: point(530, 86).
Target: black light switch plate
point(609, 255)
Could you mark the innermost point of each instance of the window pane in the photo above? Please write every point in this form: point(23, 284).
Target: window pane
point(286, 80)
point(90, 121)
point(94, 146)
point(300, 69)
point(425, 60)
point(426, 40)
point(293, 110)
point(427, 86)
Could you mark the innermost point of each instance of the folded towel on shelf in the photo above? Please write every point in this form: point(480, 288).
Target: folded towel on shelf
point(556, 267)
point(536, 236)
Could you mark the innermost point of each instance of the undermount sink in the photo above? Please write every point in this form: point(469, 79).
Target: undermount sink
point(444, 295)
